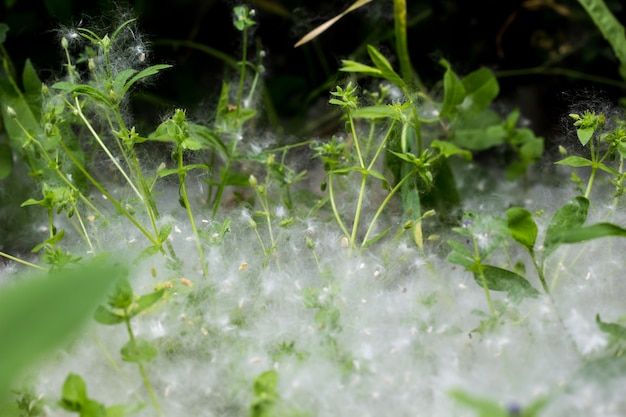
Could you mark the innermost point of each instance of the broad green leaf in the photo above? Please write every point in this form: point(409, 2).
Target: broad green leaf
point(138, 350)
point(595, 231)
point(611, 28)
point(575, 161)
point(522, 226)
point(38, 314)
point(105, 316)
point(74, 393)
point(585, 134)
point(145, 301)
point(210, 139)
point(454, 91)
point(498, 279)
point(6, 161)
point(481, 88)
point(385, 67)
point(572, 215)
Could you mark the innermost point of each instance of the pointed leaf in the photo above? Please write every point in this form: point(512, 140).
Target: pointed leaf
point(616, 330)
point(145, 301)
point(74, 393)
point(453, 89)
point(385, 67)
point(145, 73)
point(481, 88)
point(595, 231)
point(575, 161)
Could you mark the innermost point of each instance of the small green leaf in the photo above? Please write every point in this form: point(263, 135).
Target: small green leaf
point(615, 330)
point(122, 294)
point(522, 226)
point(165, 231)
point(385, 67)
point(120, 80)
point(449, 149)
point(575, 161)
point(585, 134)
point(376, 112)
point(454, 91)
point(145, 301)
point(572, 215)
point(104, 316)
point(139, 350)
point(147, 72)
point(357, 67)
point(74, 393)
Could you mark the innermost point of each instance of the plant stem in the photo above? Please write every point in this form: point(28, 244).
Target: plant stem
point(183, 189)
point(23, 262)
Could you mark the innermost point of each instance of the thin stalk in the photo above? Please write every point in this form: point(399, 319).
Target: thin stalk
point(393, 191)
point(142, 371)
point(331, 195)
point(111, 198)
point(244, 57)
point(21, 261)
point(357, 214)
point(402, 49)
point(106, 150)
point(356, 139)
point(183, 189)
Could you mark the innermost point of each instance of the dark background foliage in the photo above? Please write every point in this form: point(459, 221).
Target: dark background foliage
point(547, 54)
point(504, 35)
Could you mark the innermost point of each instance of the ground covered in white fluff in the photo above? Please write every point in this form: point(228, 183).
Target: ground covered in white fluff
point(383, 332)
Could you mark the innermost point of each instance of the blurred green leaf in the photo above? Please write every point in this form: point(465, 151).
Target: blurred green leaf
point(138, 350)
point(499, 279)
point(6, 161)
point(572, 215)
point(38, 314)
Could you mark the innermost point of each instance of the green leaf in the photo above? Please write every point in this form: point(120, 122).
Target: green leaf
point(32, 87)
point(611, 28)
point(522, 226)
point(4, 28)
point(481, 88)
point(105, 316)
point(449, 149)
point(498, 279)
point(122, 294)
point(147, 72)
point(357, 67)
point(385, 67)
point(120, 80)
point(145, 301)
point(6, 161)
point(165, 231)
point(454, 91)
point(376, 112)
point(575, 161)
point(595, 231)
point(138, 350)
point(481, 131)
point(38, 314)
point(74, 393)
point(572, 215)
point(585, 134)
point(484, 407)
point(615, 330)
point(123, 410)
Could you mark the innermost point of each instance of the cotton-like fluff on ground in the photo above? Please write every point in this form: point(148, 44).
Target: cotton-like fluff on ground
point(386, 331)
